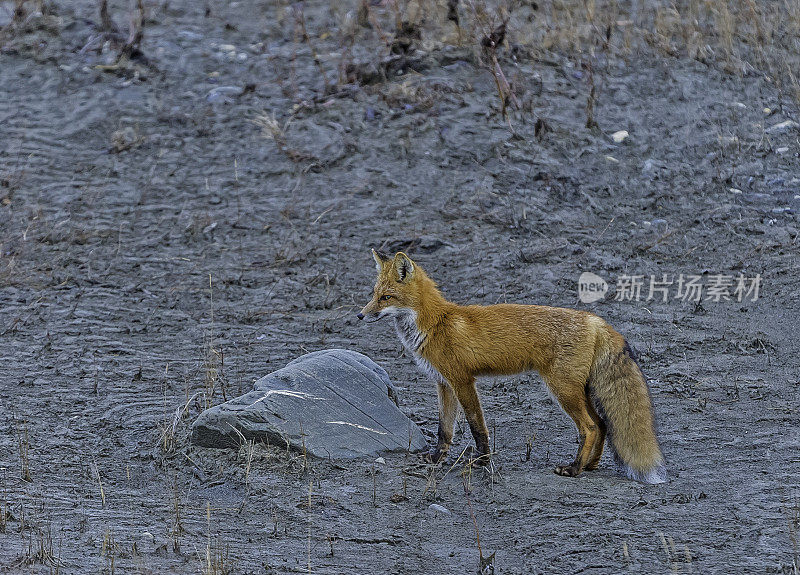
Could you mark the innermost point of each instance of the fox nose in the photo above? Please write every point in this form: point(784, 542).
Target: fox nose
point(360, 316)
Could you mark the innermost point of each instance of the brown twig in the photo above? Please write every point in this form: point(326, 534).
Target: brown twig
point(485, 564)
point(377, 25)
point(106, 23)
point(301, 20)
point(490, 41)
point(348, 41)
point(590, 99)
point(131, 48)
point(19, 11)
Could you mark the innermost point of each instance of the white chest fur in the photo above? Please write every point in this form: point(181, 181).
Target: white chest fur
point(425, 367)
point(405, 323)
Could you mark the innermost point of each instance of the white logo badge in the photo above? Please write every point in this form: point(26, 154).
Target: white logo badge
point(591, 287)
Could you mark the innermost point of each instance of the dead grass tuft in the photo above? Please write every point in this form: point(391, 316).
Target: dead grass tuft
point(24, 447)
point(216, 560)
point(679, 558)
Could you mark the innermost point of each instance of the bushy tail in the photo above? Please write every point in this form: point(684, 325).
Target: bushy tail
point(622, 399)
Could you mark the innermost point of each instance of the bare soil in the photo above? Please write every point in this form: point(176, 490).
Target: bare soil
point(164, 243)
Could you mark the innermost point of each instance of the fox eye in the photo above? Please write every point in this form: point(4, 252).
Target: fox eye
point(386, 297)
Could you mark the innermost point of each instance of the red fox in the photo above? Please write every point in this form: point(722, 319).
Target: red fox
point(587, 366)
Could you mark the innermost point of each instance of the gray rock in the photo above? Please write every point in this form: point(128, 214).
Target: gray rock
point(332, 403)
point(622, 97)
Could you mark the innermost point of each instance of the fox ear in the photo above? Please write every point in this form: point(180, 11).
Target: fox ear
point(404, 267)
point(380, 259)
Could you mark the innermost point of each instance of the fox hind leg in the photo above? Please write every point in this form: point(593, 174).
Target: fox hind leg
point(576, 404)
point(597, 449)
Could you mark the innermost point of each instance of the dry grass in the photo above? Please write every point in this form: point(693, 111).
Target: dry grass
point(177, 530)
point(3, 516)
point(170, 436)
point(379, 44)
point(741, 37)
point(274, 130)
point(793, 524)
point(216, 559)
point(109, 549)
point(24, 447)
point(679, 558)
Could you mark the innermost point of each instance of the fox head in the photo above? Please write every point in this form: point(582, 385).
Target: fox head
point(397, 288)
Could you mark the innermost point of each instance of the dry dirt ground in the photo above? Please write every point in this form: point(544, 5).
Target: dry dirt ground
point(176, 223)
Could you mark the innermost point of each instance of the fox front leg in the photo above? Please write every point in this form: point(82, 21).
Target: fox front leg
point(448, 407)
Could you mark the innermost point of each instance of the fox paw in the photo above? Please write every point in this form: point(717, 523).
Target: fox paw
point(571, 470)
point(482, 460)
point(478, 457)
point(435, 455)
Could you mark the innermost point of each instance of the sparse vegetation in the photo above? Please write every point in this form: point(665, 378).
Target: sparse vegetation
point(23, 449)
point(217, 560)
point(679, 558)
point(189, 191)
point(109, 550)
point(3, 516)
point(177, 529)
point(793, 524)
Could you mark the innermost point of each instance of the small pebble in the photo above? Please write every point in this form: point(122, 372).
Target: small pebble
point(380, 461)
point(622, 97)
point(436, 508)
point(727, 140)
point(649, 166)
point(189, 35)
point(223, 93)
point(620, 136)
point(124, 139)
point(757, 197)
point(783, 126)
point(782, 150)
